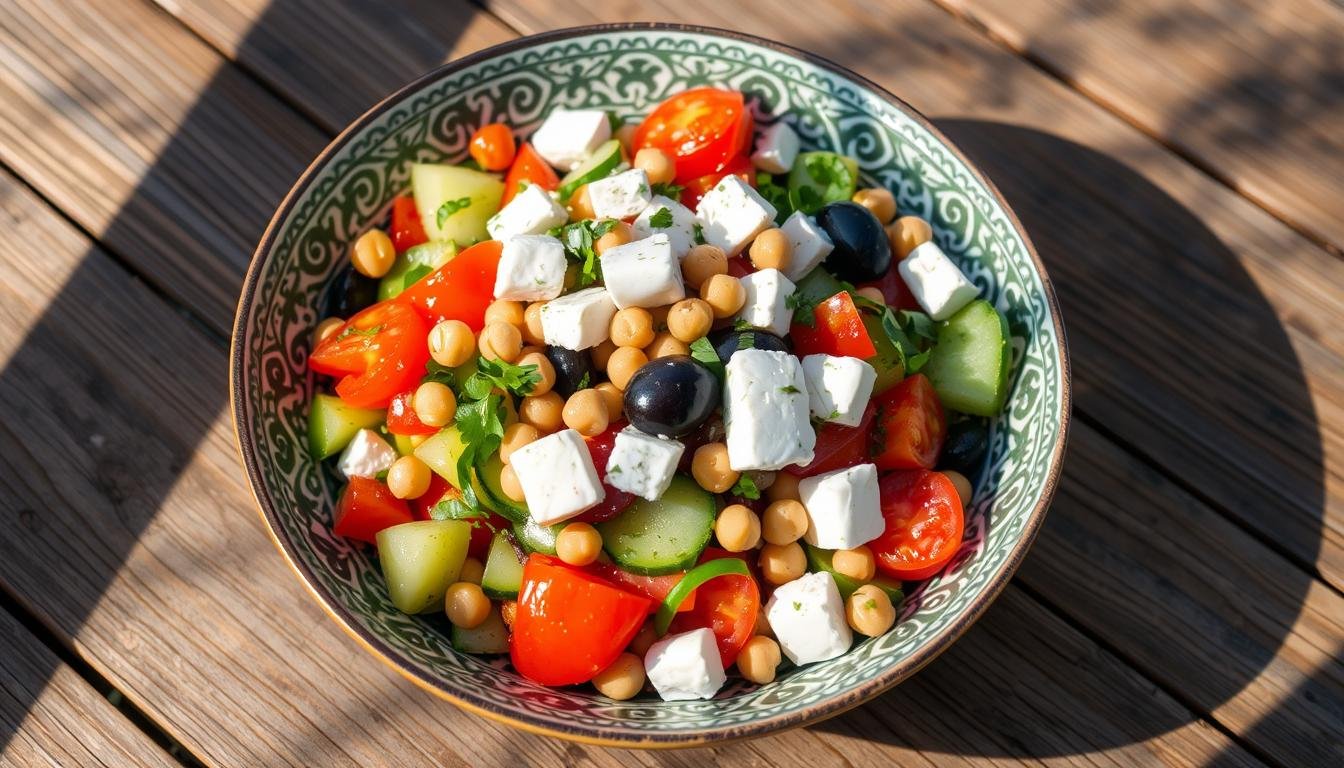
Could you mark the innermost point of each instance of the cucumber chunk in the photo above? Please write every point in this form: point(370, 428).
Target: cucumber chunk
point(434, 184)
point(503, 575)
point(420, 560)
point(535, 537)
point(970, 363)
point(332, 424)
point(657, 537)
point(416, 263)
point(490, 636)
point(819, 561)
point(488, 480)
point(828, 177)
point(888, 360)
point(599, 165)
point(441, 451)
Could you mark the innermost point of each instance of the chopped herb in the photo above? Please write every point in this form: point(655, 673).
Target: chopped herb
point(741, 324)
point(481, 425)
point(797, 606)
point(615, 470)
point(835, 414)
point(516, 379)
point(746, 340)
point(746, 488)
point(668, 190)
point(583, 382)
point(450, 207)
point(703, 351)
point(789, 389)
point(578, 238)
point(912, 334)
point(440, 373)
point(351, 330)
point(458, 509)
point(803, 309)
point(699, 233)
point(662, 219)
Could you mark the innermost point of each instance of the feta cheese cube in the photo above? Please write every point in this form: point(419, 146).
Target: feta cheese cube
point(643, 273)
point(810, 244)
point(732, 213)
point(367, 455)
point(531, 268)
point(567, 137)
point(776, 148)
point(766, 307)
point(808, 618)
point(620, 195)
point(842, 507)
point(939, 287)
point(838, 388)
point(530, 212)
point(681, 232)
point(765, 411)
point(579, 320)
point(557, 476)
point(686, 666)
point(642, 464)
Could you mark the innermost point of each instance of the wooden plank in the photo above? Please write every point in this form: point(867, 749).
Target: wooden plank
point(157, 567)
point(1252, 90)
point(50, 716)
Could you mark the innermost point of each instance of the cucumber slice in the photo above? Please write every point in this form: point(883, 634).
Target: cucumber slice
point(488, 479)
point(652, 538)
point(434, 184)
point(503, 575)
point(819, 560)
point(490, 636)
point(535, 537)
point(417, 262)
point(970, 363)
point(420, 559)
point(599, 165)
point(332, 424)
point(828, 176)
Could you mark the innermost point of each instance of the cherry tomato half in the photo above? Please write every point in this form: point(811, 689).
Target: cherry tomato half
point(924, 524)
point(492, 147)
point(407, 230)
point(367, 507)
point(401, 418)
point(528, 167)
point(701, 129)
point(459, 290)
point(615, 501)
point(726, 605)
point(380, 351)
point(911, 427)
point(838, 330)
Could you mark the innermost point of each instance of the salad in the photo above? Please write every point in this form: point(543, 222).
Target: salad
point(646, 405)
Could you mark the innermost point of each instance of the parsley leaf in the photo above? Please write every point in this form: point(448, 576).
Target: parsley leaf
point(789, 389)
point(515, 379)
point(481, 426)
point(440, 373)
point(797, 606)
point(662, 219)
point(913, 334)
point(450, 207)
point(746, 488)
point(583, 382)
point(699, 233)
point(458, 509)
point(669, 190)
point(775, 194)
point(802, 308)
point(703, 351)
point(578, 238)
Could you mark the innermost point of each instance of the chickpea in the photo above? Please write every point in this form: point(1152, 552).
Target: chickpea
point(614, 398)
point(500, 341)
point(703, 262)
point(963, 485)
point(784, 521)
point(724, 294)
point(709, 467)
point(737, 528)
point(580, 205)
point(626, 135)
point(782, 563)
point(632, 327)
point(666, 345)
point(771, 250)
point(505, 311)
point(532, 323)
point(373, 254)
point(451, 343)
point(870, 611)
point(515, 437)
point(325, 330)
point(601, 354)
point(434, 404)
point(508, 482)
point(907, 233)
point(645, 637)
point(759, 659)
point(466, 604)
point(616, 236)
point(872, 294)
point(857, 563)
point(784, 487)
point(586, 412)
point(689, 319)
point(472, 571)
point(878, 200)
point(578, 543)
point(508, 611)
point(763, 625)
point(530, 348)
point(657, 164)
point(623, 679)
point(543, 412)
point(624, 362)
point(544, 369)
point(408, 478)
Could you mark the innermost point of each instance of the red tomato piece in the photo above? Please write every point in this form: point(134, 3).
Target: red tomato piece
point(653, 587)
point(739, 267)
point(529, 167)
point(459, 290)
point(701, 129)
point(407, 230)
point(616, 501)
point(367, 507)
point(895, 293)
point(838, 446)
point(839, 330)
point(694, 189)
point(401, 418)
point(439, 489)
point(379, 352)
point(727, 605)
point(911, 426)
point(924, 524)
point(570, 624)
point(493, 147)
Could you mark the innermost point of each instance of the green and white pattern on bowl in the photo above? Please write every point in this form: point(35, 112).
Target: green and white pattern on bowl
point(627, 71)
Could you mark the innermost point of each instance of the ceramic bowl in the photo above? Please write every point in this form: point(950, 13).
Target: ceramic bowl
point(627, 69)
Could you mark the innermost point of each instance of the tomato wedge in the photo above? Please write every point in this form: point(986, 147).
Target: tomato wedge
point(838, 330)
point(407, 230)
point(727, 605)
point(694, 189)
point(615, 501)
point(655, 588)
point(924, 524)
point(401, 418)
point(380, 351)
point(911, 427)
point(367, 507)
point(701, 129)
point(570, 624)
point(529, 167)
point(460, 289)
point(838, 446)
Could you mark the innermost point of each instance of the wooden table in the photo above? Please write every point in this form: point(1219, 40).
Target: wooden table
point(1179, 165)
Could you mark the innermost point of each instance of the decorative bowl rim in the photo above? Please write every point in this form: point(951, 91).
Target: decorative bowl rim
point(600, 736)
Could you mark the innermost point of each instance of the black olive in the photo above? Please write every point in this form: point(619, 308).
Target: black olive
point(965, 446)
point(728, 342)
point(862, 251)
point(349, 292)
point(573, 370)
point(671, 396)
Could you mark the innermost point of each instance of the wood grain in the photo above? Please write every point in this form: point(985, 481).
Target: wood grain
point(49, 716)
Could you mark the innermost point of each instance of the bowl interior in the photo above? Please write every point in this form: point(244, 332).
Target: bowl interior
point(627, 70)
